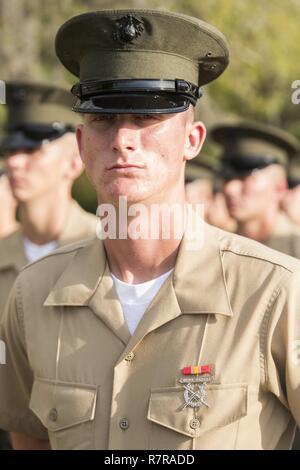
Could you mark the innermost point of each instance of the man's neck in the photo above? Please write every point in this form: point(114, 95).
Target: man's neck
point(139, 260)
point(43, 220)
point(260, 228)
point(136, 261)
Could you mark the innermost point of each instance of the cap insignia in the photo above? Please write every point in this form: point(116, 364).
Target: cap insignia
point(128, 29)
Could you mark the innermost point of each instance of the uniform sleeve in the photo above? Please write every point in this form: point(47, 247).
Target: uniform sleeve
point(282, 346)
point(16, 376)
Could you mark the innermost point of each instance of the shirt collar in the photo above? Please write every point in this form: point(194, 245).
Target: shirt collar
point(198, 278)
point(12, 251)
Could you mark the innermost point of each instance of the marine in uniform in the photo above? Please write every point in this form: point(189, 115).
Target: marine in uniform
point(213, 360)
point(41, 162)
point(254, 163)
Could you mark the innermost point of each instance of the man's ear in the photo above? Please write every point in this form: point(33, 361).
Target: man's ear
point(196, 134)
point(77, 166)
point(79, 140)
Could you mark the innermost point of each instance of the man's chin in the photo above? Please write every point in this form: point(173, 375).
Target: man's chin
point(238, 215)
point(127, 192)
point(20, 196)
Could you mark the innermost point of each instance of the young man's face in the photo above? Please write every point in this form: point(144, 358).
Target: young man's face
point(140, 157)
point(36, 174)
point(250, 197)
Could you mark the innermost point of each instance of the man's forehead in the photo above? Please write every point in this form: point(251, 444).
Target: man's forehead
point(132, 116)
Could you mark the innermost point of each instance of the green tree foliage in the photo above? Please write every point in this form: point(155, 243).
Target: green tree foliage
point(264, 40)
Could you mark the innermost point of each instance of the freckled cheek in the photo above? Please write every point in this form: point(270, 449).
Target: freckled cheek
point(93, 153)
point(159, 146)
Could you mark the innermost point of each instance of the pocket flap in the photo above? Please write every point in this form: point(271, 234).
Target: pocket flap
point(60, 405)
point(226, 404)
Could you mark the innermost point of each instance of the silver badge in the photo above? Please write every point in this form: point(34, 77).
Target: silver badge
point(195, 395)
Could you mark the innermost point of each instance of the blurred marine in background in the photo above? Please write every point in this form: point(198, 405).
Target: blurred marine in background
point(41, 162)
point(254, 166)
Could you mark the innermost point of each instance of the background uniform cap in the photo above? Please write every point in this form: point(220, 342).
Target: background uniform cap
point(35, 112)
point(137, 52)
point(248, 146)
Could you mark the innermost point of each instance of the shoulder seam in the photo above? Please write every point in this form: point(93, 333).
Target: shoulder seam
point(260, 258)
point(19, 307)
point(59, 251)
point(264, 329)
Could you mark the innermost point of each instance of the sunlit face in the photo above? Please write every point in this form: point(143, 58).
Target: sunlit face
point(250, 197)
point(140, 157)
point(36, 174)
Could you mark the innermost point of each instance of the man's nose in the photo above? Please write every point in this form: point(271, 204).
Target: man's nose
point(16, 159)
point(232, 187)
point(125, 137)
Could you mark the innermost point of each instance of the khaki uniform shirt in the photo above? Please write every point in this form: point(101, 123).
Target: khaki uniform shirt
point(80, 224)
point(285, 237)
point(75, 374)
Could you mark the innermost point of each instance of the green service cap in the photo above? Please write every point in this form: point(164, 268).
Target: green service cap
point(139, 61)
point(248, 146)
point(294, 172)
point(35, 113)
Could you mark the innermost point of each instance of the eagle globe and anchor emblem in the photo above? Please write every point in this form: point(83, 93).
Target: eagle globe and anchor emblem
point(128, 29)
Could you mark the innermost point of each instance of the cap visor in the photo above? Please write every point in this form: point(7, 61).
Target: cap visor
point(133, 103)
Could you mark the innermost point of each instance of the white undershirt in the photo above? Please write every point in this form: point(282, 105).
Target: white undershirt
point(34, 252)
point(135, 298)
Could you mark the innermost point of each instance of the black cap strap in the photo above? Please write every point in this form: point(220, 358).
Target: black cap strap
point(92, 88)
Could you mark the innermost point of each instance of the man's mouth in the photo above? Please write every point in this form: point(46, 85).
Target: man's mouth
point(126, 167)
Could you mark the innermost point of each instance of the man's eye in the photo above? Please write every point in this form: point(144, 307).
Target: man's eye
point(146, 117)
point(103, 117)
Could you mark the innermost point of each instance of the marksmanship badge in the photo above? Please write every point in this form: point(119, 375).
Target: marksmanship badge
point(194, 393)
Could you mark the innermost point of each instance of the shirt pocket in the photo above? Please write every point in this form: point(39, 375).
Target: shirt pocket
point(175, 426)
point(67, 410)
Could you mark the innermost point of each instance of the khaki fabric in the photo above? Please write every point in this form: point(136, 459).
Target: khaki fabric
point(79, 225)
point(285, 237)
point(74, 372)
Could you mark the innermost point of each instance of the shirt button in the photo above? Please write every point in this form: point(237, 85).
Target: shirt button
point(53, 414)
point(130, 357)
point(124, 424)
point(195, 423)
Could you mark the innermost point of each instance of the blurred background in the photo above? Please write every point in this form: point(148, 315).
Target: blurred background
point(264, 40)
